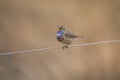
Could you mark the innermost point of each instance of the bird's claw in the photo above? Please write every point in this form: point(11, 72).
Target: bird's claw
point(65, 46)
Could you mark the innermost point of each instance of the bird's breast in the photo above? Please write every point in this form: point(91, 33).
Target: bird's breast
point(65, 40)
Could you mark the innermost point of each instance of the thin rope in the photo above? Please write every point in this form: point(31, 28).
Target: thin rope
point(58, 47)
point(95, 43)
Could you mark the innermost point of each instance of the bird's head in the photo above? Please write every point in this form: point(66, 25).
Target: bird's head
point(61, 28)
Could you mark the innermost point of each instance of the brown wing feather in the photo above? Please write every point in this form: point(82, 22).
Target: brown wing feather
point(70, 35)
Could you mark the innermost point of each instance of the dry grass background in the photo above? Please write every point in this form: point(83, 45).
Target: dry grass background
point(31, 24)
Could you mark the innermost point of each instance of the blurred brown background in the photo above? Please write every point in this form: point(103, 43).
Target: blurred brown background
point(31, 24)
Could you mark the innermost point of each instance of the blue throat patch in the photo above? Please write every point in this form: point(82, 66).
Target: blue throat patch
point(59, 34)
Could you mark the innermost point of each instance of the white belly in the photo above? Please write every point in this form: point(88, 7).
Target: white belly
point(67, 41)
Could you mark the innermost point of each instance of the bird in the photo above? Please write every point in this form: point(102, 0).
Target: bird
point(65, 37)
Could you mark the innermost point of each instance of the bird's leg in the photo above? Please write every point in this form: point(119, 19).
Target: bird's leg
point(65, 46)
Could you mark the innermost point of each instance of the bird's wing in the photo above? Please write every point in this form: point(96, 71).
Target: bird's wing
point(70, 35)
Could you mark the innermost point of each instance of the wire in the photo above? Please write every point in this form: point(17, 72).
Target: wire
point(33, 50)
point(58, 47)
point(95, 43)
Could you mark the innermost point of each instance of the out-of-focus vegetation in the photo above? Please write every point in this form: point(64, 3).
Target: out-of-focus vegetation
point(31, 24)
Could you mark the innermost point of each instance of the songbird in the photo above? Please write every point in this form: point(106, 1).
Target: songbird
point(65, 37)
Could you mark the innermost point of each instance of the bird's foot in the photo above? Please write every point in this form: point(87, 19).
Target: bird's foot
point(65, 46)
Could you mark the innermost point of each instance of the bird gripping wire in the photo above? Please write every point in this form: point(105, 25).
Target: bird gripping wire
point(58, 47)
